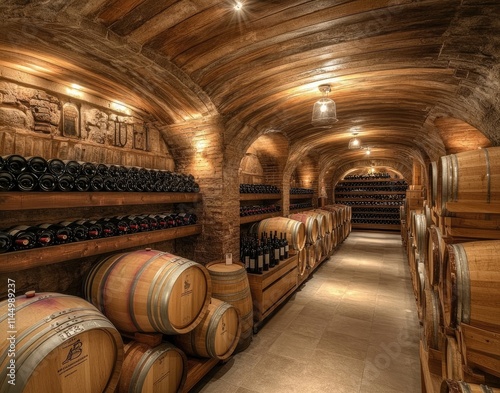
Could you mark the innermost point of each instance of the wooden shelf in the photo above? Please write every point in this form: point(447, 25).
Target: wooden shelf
point(390, 180)
point(197, 369)
point(353, 193)
point(257, 197)
point(258, 217)
point(302, 209)
point(27, 259)
point(51, 200)
point(301, 196)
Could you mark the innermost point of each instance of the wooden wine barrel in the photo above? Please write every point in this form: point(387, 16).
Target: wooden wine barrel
point(436, 247)
point(480, 349)
point(302, 261)
point(421, 236)
point(453, 386)
point(230, 284)
point(160, 369)
point(471, 284)
point(419, 291)
point(311, 255)
point(433, 184)
point(469, 177)
point(334, 238)
point(295, 230)
point(217, 334)
point(62, 344)
point(150, 291)
point(318, 250)
point(311, 224)
point(432, 321)
point(322, 224)
point(331, 220)
point(452, 359)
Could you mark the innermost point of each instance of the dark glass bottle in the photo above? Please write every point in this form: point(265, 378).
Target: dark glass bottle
point(253, 258)
point(276, 248)
point(282, 247)
point(109, 183)
point(26, 181)
point(22, 239)
point(88, 168)
point(109, 228)
point(96, 183)
point(82, 183)
point(266, 251)
point(94, 230)
point(65, 182)
point(56, 166)
point(47, 182)
point(7, 181)
point(15, 164)
point(260, 258)
point(5, 242)
point(122, 226)
point(62, 234)
point(102, 170)
point(287, 247)
point(36, 165)
point(80, 232)
point(72, 167)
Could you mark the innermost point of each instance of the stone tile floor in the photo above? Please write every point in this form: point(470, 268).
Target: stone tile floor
point(351, 328)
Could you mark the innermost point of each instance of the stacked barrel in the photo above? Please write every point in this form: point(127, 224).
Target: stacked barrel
point(453, 245)
point(162, 305)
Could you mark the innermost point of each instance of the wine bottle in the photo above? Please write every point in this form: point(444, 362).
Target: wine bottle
point(260, 258)
point(282, 247)
point(102, 170)
point(47, 182)
point(15, 164)
point(88, 168)
point(246, 256)
point(62, 234)
point(65, 182)
point(26, 181)
point(133, 224)
point(152, 222)
point(187, 218)
point(265, 248)
point(253, 258)
point(7, 181)
point(94, 229)
point(143, 223)
point(82, 183)
point(276, 249)
point(5, 242)
point(72, 167)
point(22, 239)
point(2, 163)
point(287, 247)
point(108, 227)
point(36, 165)
point(56, 166)
point(96, 183)
point(122, 227)
point(80, 232)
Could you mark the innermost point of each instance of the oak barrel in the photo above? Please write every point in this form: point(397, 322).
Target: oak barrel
point(302, 261)
point(311, 224)
point(471, 177)
point(318, 250)
point(436, 247)
point(433, 183)
point(311, 255)
point(452, 359)
point(453, 386)
point(159, 369)
point(150, 291)
point(432, 319)
point(322, 224)
point(58, 341)
point(471, 284)
point(480, 349)
point(295, 230)
point(217, 334)
point(330, 217)
point(230, 284)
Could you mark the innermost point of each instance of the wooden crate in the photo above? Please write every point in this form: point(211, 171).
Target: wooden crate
point(431, 364)
point(272, 288)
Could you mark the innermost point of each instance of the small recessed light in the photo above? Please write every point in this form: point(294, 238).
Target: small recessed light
point(238, 6)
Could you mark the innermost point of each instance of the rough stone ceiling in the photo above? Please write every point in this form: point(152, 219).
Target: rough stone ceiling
point(395, 66)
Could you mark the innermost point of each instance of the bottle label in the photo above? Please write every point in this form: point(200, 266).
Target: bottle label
point(260, 261)
point(247, 261)
point(287, 248)
point(252, 264)
point(276, 253)
point(266, 259)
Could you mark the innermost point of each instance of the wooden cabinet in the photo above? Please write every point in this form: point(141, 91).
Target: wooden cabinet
point(375, 202)
point(272, 288)
point(13, 202)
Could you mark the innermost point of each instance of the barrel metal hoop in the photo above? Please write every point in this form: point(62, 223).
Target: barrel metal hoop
point(486, 389)
point(212, 327)
point(463, 285)
point(465, 387)
point(102, 284)
point(435, 310)
point(454, 183)
point(143, 366)
point(488, 177)
point(135, 281)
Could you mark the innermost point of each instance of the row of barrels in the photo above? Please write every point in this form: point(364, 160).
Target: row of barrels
point(143, 312)
point(312, 234)
point(457, 287)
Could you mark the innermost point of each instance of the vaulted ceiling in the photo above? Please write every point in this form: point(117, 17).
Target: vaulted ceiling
point(416, 79)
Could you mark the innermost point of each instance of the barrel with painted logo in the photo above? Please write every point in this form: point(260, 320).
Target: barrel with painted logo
point(150, 291)
point(62, 344)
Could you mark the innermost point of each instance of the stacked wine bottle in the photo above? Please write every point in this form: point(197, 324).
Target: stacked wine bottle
point(258, 189)
point(296, 191)
point(303, 205)
point(258, 209)
point(264, 253)
point(18, 173)
point(24, 237)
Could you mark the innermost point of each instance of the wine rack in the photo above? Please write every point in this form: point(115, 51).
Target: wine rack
point(261, 200)
point(12, 202)
point(375, 202)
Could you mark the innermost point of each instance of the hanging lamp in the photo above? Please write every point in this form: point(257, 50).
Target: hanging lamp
point(324, 110)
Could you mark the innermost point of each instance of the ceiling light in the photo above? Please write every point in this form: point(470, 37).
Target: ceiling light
point(368, 151)
point(354, 143)
point(238, 6)
point(324, 110)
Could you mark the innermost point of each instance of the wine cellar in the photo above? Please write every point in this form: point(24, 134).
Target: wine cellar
point(249, 196)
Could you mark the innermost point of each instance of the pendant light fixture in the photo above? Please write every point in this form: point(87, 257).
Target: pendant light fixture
point(324, 110)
